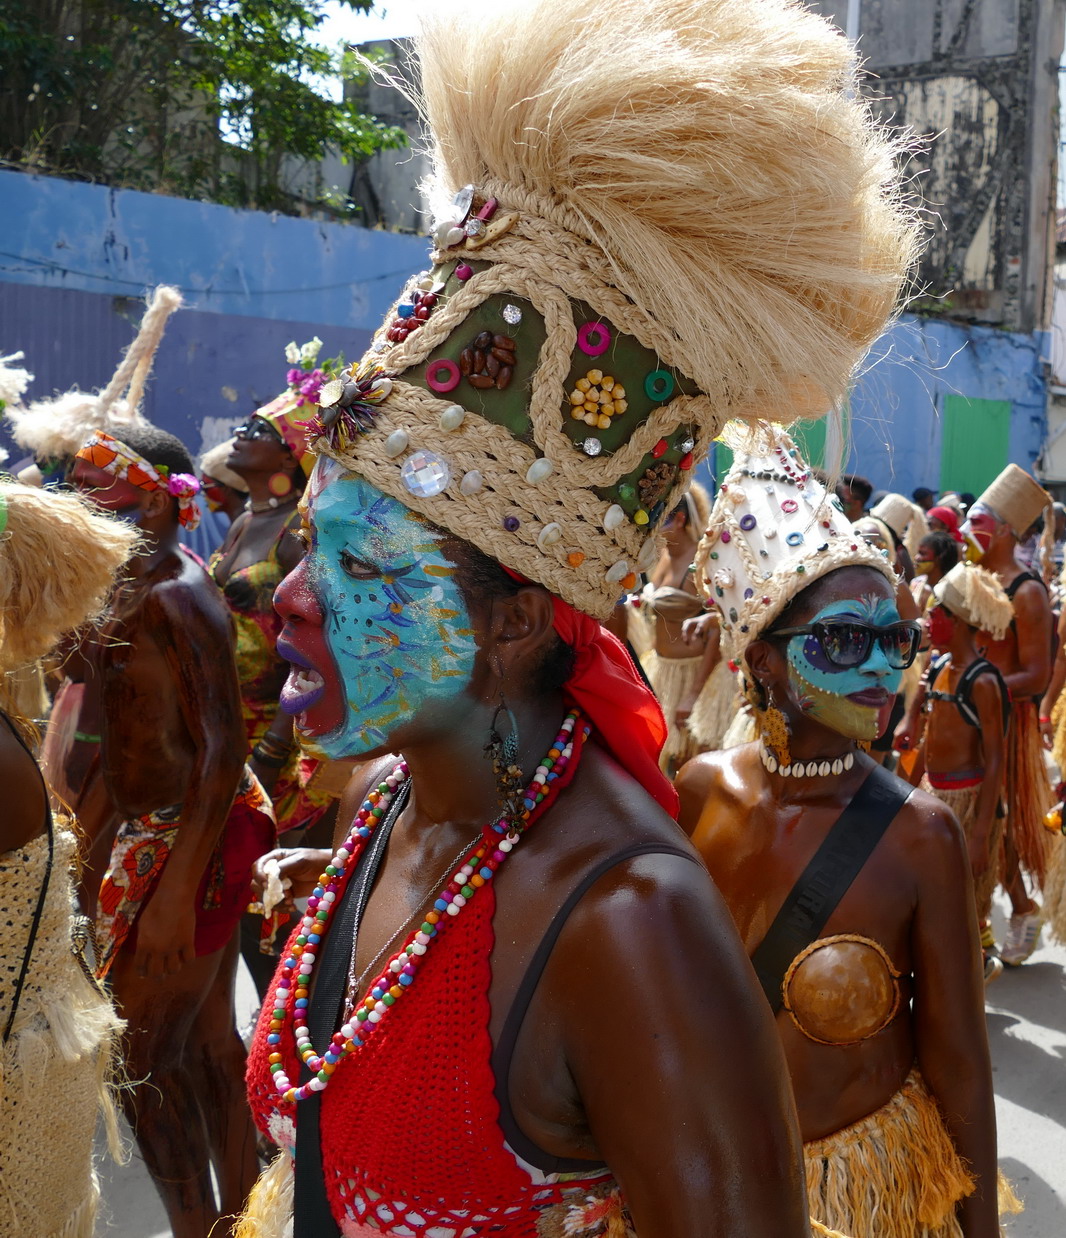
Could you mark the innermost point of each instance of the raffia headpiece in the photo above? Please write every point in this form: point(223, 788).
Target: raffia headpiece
point(659, 214)
point(977, 597)
point(774, 530)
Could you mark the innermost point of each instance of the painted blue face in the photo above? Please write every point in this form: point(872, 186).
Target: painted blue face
point(395, 628)
point(856, 700)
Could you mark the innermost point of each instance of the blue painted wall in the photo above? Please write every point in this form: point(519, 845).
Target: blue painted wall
point(75, 261)
point(895, 408)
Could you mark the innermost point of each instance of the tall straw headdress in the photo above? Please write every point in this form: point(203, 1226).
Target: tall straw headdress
point(662, 214)
point(57, 427)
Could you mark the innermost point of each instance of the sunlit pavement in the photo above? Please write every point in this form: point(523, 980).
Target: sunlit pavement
point(1027, 1030)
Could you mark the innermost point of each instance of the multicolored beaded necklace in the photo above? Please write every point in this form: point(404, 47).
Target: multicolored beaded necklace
point(486, 855)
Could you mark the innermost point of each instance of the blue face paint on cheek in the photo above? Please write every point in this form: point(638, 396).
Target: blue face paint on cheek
point(396, 624)
point(808, 660)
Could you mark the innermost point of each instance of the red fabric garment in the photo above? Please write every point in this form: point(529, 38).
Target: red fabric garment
point(947, 517)
point(410, 1133)
point(626, 716)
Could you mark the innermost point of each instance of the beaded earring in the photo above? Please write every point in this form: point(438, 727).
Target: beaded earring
point(503, 752)
point(773, 726)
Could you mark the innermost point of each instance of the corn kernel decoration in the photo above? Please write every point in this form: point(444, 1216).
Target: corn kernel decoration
point(597, 398)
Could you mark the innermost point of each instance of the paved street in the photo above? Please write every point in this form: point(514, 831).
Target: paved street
point(1027, 1029)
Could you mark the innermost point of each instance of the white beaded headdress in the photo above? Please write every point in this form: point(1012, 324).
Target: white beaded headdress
point(774, 530)
point(661, 214)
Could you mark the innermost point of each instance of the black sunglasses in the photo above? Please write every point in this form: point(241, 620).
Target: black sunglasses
point(847, 643)
point(257, 427)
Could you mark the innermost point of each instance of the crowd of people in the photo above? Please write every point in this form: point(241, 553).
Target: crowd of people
point(608, 862)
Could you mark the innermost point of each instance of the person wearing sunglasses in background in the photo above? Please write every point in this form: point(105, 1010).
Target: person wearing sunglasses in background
point(851, 891)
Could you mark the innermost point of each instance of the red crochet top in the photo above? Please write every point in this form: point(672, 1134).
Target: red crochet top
point(411, 1141)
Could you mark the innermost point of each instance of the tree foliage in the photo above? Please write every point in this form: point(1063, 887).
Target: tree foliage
point(201, 98)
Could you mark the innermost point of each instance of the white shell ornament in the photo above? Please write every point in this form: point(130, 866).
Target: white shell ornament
point(471, 483)
point(538, 471)
point(452, 417)
point(613, 517)
point(549, 535)
point(617, 572)
point(331, 393)
point(396, 443)
point(723, 577)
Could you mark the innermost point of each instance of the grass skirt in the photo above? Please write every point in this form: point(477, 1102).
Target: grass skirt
point(894, 1174)
point(715, 708)
point(963, 803)
point(1027, 790)
point(1055, 889)
point(672, 679)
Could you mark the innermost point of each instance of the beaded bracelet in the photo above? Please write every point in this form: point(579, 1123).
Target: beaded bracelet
point(272, 761)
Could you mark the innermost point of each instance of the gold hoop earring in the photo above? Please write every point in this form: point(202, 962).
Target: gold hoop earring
point(280, 485)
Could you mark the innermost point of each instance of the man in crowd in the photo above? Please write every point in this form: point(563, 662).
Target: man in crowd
point(169, 810)
point(999, 520)
point(854, 492)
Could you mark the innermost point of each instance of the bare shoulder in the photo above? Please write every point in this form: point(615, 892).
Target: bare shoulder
point(928, 830)
point(24, 794)
point(183, 594)
point(365, 776)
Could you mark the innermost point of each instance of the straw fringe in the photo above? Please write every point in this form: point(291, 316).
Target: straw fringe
point(895, 1174)
point(268, 1213)
point(963, 804)
point(715, 708)
point(1054, 892)
point(1028, 791)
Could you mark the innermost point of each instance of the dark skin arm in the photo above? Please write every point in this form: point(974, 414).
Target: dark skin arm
point(948, 1011)
point(676, 1101)
point(988, 702)
point(712, 655)
point(24, 795)
point(210, 706)
point(1032, 626)
point(1058, 676)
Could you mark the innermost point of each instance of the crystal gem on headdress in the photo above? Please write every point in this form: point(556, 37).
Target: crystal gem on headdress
point(511, 314)
point(425, 474)
point(592, 446)
point(474, 227)
point(686, 444)
point(463, 201)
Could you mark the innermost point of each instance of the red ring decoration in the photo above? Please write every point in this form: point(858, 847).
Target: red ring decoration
point(789, 506)
point(594, 338)
point(442, 385)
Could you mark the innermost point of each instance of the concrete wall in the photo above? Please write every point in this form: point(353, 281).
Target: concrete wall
point(76, 260)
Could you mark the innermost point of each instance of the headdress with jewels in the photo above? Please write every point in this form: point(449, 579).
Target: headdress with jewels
point(659, 214)
point(774, 530)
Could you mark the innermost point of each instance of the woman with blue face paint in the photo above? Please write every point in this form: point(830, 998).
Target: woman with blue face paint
point(514, 977)
point(851, 891)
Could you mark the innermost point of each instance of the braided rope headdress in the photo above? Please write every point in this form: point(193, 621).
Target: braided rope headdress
point(664, 213)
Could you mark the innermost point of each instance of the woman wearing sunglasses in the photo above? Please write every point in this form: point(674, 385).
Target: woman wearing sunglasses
point(851, 892)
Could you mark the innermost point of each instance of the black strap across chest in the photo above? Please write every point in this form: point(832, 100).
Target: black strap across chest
point(962, 697)
point(312, 1217)
point(828, 877)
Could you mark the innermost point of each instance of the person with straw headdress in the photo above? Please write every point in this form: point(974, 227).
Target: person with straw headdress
point(58, 1030)
point(851, 891)
point(996, 524)
point(968, 707)
point(174, 820)
point(482, 495)
point(53, 430)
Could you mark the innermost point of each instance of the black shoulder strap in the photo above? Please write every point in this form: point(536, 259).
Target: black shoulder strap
point(964, 691)
point(826, 879)
point(1021, 579)
point(312, 1217)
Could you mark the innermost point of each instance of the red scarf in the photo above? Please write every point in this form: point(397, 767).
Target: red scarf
point(626, 718)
